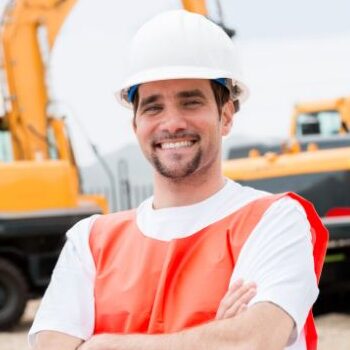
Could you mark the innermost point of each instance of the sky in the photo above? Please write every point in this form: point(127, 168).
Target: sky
point(286, 19)
point(289, 50)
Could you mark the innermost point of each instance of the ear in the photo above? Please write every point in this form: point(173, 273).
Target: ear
point(227, 114)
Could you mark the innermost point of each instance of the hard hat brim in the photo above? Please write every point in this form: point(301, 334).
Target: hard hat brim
point(177, 72)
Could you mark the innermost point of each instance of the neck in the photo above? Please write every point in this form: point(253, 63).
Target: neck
point(190, 190)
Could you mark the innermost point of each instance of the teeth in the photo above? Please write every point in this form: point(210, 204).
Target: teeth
point(169, 145)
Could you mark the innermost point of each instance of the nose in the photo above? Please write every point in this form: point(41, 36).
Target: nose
point(173, 121)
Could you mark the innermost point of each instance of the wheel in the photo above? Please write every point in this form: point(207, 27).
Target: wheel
point(13, 294)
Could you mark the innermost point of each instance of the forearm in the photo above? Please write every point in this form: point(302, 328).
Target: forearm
point(256, 329)
point(263, 326)
point(51, 340)
point(213, 335)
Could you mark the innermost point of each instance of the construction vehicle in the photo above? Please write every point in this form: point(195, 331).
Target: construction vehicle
point(40, 196)
point(325, 118)
point(324, 123)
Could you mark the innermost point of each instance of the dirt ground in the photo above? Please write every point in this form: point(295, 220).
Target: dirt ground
point(333, 329)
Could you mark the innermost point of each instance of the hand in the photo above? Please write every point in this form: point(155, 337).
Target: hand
point(100, 342)
point(236, 299)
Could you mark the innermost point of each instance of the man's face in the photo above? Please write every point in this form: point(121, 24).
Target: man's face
point(178, 126)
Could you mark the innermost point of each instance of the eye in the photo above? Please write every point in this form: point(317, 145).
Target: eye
point(192, 103)
point(152, 109)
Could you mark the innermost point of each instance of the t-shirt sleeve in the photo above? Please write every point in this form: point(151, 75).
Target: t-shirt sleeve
point(68, 303)
point(278, 258)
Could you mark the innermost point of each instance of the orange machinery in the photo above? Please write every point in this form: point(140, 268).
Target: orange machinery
point(325, 117)
point(40, 197)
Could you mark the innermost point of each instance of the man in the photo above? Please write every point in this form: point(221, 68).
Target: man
point(169, 275)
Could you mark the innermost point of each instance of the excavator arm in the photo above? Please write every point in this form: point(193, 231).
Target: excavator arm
point(29, 28)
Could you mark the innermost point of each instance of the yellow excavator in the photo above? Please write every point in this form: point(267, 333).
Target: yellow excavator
point(40, 195)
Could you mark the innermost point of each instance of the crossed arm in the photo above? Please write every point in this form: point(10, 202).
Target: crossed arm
point(262, 326)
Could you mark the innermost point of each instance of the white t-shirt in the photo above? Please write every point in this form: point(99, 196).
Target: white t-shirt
point(277, 256)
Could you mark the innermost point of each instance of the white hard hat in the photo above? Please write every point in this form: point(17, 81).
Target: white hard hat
point(181, 45)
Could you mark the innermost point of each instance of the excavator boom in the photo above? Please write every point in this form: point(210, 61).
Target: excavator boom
point(29, 28)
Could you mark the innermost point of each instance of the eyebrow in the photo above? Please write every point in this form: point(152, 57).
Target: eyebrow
point(190, 93)
point(150, 99)
point(182, 94)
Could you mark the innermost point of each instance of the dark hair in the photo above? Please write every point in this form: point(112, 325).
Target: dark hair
point(135, 102)
point(221, 94)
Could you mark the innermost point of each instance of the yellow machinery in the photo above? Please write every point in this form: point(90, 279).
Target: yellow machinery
point(324, 117)
point(42, 174)
point(40, 196)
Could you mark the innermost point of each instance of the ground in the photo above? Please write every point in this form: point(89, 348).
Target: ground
point(333, 329)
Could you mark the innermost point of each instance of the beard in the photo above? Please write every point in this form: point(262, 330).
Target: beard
point(180, 171)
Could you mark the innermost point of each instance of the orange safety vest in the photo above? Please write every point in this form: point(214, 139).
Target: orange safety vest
point(145, 285)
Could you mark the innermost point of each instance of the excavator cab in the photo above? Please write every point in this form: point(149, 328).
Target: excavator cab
point(6, 154)
point(325, 123)
point(5, 145)
point(325, 118)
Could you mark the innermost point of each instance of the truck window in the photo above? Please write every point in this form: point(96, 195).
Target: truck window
point(5, 147)
point(325, 123)
point(53, 152)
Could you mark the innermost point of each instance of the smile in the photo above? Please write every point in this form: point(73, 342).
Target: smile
point(176, 145)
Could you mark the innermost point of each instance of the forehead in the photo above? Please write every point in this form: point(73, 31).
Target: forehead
point(171, 88)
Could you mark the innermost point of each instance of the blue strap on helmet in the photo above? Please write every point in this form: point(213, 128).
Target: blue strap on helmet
point(131, 93)
point(221, 81)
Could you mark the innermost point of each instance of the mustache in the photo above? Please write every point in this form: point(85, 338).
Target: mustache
point(167, 136)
